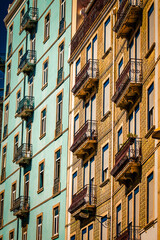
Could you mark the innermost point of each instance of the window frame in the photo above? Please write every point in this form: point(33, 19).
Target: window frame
point(37, 217)
point(19, 56)
point(46, 37)
point(149, 45)
point(4, 160)
point(18, 99)
point(74, 175)
point(10, 40)
point(11, 231)
point(40, 189)
point(27, 173)
point(107, 21)
point(55, 163)
point(59, 121)
point(45, 72)
point(105, 215)
point(103, 170)
point(106, 84)
point(42, 134)
point(12, 192)
point(117, 206)
point(149, 111)
point(87, 230)
point(21, 17)
point(54, 236)
point(2, 214)
point(118, 135)
point(149, 174)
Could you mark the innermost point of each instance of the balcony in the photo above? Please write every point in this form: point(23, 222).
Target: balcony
point(85, 140)
point(129, 233)
point(87, 23)
point(61, 26)
point(56, 187)
point(28, 62)
point(127, 166)
point(30, 19)
point(84, 202)
point(21, 207)
point(23, 154)
point(25, 107)
point(86, 80)
point(128, 16)
point(2, 62)
point(3, 174)
point(129, 85)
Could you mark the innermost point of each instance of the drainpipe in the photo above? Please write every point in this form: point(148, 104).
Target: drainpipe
point(112, 147)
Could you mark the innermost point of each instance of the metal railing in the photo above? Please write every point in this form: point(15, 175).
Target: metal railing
point(56, 185)
point(87, 130)
point(86, 195)
point(89, 70)
point(24, 151)
point(28, 58)
point(58, 127)
point(22, 203)
point(31, 14)
point(3, 174)
point(27, 103)
point(61, 26)
point(129, 233)
point(123, 9)
point(60, 75)
point(132, 73)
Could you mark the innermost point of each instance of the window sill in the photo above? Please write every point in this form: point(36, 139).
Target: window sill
point(150, 50)
point(42, 136)
point(106, 116)
point(150, 131)
point(40, 190)
point(107, 52)
point(56, 137)
point(104, 183)
point(46, 39)
point(54, 237)
point(56, 194)
point(44, 86)
point(149, 225)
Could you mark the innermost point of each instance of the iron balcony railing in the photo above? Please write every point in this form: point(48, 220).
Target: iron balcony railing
point(87, 22)
point(28, 58)
point(21, 204)
point(58, 127)
point(7, 89)
point(87, 130)
point(86, 195)
point(56, 185)
point(132, 73)
point(3, 174)
point(27, 103)
point(30, 15)
point(60, 75)
point(89, 70)
point(24, 151)
point(129, 233)
point(5, 132)
point(123, 9)
point(61, 26)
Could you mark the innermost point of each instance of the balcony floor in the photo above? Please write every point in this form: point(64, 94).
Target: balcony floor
point(23, 161)
point(24, 114)
point(86, 149)
point(28, 67)
point(21, 213)
point(85, 211)
point(87, 88)
point(30, 25)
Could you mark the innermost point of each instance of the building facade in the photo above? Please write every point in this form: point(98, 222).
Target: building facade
point(113, 160)
point(35, 120)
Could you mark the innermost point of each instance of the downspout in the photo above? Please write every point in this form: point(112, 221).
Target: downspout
point(112, 147)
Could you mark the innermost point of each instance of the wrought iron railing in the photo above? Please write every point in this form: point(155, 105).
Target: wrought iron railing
point(87, 22)
point(86, 195)
point(60, 75)
point(22, 203)
point(132, 73)
point(31, 14)
point(28, 58)
point(89, 70)
point(3, 174)
point(87, 130)
point(24, 151)
point(61, 26)
point(129, 233)
point(123, 9)
point(5, 130)
point(7, 89)
point(56, 185)
point(58, 127)
point(27, 103)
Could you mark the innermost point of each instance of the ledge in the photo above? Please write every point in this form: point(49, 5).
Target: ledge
point(150, 50)
point(104, 183)
point(106, 53)
point(40, 190)
point(150, 131)
point(42, 136)
point(56, 194)
point(44, 86)
point(149, 225)
point(54, 237)
point(106, 116)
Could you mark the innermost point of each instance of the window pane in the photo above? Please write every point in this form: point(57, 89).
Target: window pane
point(107, 34)
point(106, 97)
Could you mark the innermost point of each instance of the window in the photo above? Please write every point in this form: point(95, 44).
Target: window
point(33, 41)
point(13, 193)
point(26, 185)
point(74, 183)
point(21, 17)
point(30, 87)
point(24, 233)
point(61, 56)
point(107, 34)
point(55, 221)
point(151, 26)
point(39, 227)
point(87, 233)
point(43, 122)
point(89, 53)
point(57, 164)
point(28, 135)
point(3, 171)
point(1, 206)
point(130, 211)
point(106, 97)
point(76, 123)
point(62, 9)
point(90, 111)
point(41, 176)
point(59, 107)
point(87, 112)
point(16, 140)
point(105, 162)
point(20, 54)
point(45, 73)
point(47, 27)
point(6, 112)
point(11, 235)
point(150, 105)
point(18, 98)
point(150, 194)
point(134, 121)
point(73, 237)
point(118, 217)
point(120, 138)
point(10, 40)
point(94, 48)
point(104, 228)
point(78, 66)
point(120, 67)
point(1, 237)
point(89, 172)
point(8, 79)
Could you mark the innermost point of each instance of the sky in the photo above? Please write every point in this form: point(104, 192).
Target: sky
point(3, 12)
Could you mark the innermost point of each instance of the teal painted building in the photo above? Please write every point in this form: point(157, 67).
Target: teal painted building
point(35, 120)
